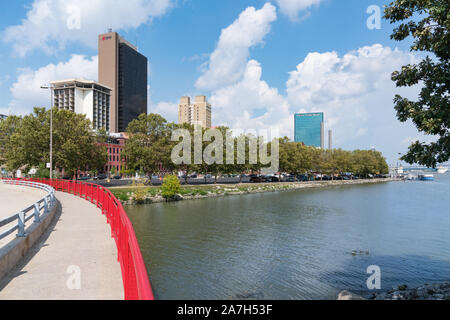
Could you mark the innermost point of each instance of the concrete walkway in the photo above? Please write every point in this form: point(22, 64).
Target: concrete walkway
point(75, 259)
point(15, 198)
point(12, 200)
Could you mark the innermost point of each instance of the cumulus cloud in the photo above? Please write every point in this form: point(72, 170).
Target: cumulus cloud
point(27, 92)
point(251, 103)
point(50, 24)
point(169, 110)
point(228, 61)
point(292, 8)
point(355, 91)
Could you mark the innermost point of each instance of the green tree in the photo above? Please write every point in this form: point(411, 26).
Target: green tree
point(75, 144)
point(428, 22)
point(149, 145)
point(7, 128)
point(170, 187)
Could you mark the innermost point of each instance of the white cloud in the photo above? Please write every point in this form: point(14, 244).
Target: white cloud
point(27, 92)
point(251, 104)
point(292, 8)
point(352, 90)
point(228, 61)
point(169, 110)
point(51, 24)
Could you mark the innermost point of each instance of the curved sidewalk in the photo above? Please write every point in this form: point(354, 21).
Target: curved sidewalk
point(77, 249)
point(16, 198)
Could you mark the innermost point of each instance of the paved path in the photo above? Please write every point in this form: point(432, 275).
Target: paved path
point(77, 243)
point(15, 198)
point(12, 200)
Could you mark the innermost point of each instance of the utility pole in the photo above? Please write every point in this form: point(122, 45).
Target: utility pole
point(50, 87)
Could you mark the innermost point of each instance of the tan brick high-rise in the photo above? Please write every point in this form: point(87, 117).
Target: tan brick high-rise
point(122, 68)
point(198, 113)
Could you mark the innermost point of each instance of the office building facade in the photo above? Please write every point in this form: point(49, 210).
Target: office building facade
point(309, 129)
point(124, 69)
point(85, 97)
point(197, 113)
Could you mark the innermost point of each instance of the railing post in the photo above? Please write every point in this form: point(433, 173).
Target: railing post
point(21, 218)
point(45, 205)
point(36, 213)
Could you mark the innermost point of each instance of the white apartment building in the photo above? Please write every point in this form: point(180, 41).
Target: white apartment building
point(84, 97)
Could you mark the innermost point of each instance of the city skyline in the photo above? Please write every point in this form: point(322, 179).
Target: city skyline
point(266, 80)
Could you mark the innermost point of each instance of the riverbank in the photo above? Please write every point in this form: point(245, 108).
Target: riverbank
point(149, 195)
point(437, 291)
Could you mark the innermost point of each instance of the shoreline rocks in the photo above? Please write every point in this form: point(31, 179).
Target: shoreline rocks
point(229, 190)
point(437, 291)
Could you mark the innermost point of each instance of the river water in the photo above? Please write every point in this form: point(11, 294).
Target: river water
point(297, 244)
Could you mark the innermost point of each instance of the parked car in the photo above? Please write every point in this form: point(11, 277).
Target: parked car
point(302, 178)
point(272, 179)
point(117, 177)
point(290, 179)
point(257, 179)
point(101, 176)
point(83, 178)
point(66, 178)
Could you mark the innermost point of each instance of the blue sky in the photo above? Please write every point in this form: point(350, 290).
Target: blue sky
point(257, 61)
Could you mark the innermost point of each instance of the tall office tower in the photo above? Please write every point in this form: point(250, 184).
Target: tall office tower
point(124, 69)
point(309, 129)
point(85, 97)
point(198, 113)
point(330, 139)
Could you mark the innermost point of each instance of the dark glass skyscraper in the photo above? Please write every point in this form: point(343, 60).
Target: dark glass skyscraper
point(309, 129)
point(132, 85)
point(122, 68)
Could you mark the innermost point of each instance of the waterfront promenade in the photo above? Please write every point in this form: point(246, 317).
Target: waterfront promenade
point(76, 258)
point(14, 198)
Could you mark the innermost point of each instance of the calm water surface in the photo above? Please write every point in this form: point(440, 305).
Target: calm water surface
point(297, 244)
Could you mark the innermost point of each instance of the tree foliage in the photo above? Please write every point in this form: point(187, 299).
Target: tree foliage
point(148, 144)
point(25, 141)
point(149, 149)
point(428, 22)
point(170, 187)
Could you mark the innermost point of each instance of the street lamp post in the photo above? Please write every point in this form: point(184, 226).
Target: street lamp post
point(50, 87)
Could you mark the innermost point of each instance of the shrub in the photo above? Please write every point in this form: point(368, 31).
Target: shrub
point(140, 194)
point(123, 197)
point(170, 187)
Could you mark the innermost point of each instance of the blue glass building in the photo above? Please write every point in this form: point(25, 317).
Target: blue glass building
point(309, 129)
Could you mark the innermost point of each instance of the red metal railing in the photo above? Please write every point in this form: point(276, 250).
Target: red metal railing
point(134, 274)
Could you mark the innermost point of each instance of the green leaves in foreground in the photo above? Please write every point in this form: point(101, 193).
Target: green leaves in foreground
point(428, 22)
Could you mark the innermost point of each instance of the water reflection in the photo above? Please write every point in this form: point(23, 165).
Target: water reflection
point(296, 245)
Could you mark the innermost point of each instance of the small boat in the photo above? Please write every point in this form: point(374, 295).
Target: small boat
point(426, 177)
point(442, 170)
